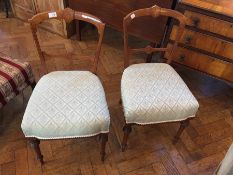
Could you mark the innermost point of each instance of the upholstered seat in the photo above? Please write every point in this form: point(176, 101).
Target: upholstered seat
point(155, 93)
point(15, 76)
point(66, 104)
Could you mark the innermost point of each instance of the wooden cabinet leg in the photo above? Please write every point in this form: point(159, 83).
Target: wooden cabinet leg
point(127, 129)
point(78, 30)
point(183, 125)
point(104, 139)
point(35, 144)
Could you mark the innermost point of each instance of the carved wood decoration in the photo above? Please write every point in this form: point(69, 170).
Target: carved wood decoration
point(155, 12)
point(68, 15)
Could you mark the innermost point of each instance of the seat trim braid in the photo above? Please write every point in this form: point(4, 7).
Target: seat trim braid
point(67, 137)
point(168, 121)
point(132, 108)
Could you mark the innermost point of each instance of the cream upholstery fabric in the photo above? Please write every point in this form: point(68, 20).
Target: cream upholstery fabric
point(155, 93)
point(66, 104)
point(226, 166)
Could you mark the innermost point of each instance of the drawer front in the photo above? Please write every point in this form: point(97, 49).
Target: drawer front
point(210, 24)
point(205, 42)
point(204, 63)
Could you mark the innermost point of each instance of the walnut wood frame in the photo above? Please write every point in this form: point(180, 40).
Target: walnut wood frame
point(68, 15)
point(154, 11)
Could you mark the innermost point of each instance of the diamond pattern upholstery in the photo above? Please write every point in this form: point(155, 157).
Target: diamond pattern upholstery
point(155, 93)
point(66, 104)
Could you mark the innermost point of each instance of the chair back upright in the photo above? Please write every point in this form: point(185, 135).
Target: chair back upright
point(68, 15)
point(154, 11)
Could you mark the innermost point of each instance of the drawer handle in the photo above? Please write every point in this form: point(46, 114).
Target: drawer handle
point(188, 39)
point(195, 22)
point(181, 58)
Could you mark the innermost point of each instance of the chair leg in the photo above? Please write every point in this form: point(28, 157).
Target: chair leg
point(78, 30)
point(35, 144)
point(33, 85)
point(120, 101)
point(6, 8)
point(183, 125)
point(104, 139)
point(127, 129)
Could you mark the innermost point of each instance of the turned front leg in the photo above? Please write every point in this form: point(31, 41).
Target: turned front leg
point(183, 125)
point(35, 144)
point(104, 139)
point(127, 129)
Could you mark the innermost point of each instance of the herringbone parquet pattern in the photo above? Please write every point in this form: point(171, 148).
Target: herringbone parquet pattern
point(202, 145)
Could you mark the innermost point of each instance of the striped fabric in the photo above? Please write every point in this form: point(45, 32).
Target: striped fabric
point(15, 76)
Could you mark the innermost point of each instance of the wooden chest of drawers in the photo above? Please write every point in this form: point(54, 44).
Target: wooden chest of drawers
point(207, 42)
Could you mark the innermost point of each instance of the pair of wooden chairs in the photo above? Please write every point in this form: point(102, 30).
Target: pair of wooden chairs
point(72, 104)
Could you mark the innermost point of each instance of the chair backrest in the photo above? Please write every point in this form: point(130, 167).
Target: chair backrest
point(68, 15)
point(153, 11)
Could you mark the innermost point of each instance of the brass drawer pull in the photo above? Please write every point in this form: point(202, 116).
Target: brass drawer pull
point(195, 21)
point(188, 39)
point(181, 58)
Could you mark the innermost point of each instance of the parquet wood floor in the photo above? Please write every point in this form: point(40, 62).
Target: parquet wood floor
point(202, 145)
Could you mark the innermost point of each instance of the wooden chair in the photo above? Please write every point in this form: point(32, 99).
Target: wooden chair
point(67, 104)
point(153, 92)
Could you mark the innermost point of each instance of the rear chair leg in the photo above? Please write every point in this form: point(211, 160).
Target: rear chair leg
point(35, 144)
point(127, 129)
point(183, 125)
point(104, 139)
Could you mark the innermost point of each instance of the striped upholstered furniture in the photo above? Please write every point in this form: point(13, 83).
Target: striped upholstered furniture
point(15, 76)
